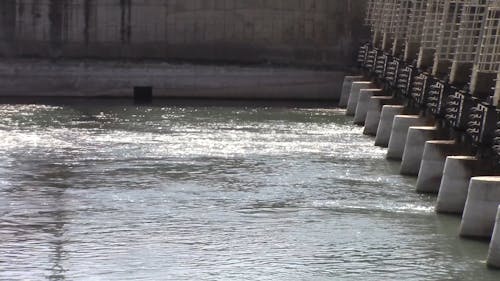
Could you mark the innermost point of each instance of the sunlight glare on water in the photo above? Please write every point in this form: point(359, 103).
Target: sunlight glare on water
point(124, 192)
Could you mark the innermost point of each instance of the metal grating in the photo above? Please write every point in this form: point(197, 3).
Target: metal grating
point(400, 25)
point(487, 62)
point(450, 24)
point(432, 24)
point(416, 20)
point(489, 52)
point(370, 6)
point(447, 41)
point(388, 20)
point(469, 34)
point(376, 15)
point(401, 18)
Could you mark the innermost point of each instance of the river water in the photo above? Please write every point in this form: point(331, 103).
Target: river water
point(106, 191)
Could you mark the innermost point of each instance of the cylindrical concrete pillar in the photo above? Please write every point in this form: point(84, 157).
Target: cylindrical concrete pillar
point(374, 112)
point(385, 125)
point(481, 207)
point(458, 170)
point(363, 101)
point(432, 165)
point(414, 148)
point(346, 89)
point(352, 102)
point(494, 252)
point(400, 127)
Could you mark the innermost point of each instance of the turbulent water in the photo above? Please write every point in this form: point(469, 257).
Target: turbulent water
point(107, 191)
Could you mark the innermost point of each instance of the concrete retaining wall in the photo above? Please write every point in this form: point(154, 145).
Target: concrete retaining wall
point(117, 79)
point(319, 32)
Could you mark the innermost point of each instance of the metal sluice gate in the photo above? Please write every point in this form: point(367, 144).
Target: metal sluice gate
point(443, 56)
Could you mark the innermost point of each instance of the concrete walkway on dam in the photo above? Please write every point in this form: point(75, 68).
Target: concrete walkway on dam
point(43, 78)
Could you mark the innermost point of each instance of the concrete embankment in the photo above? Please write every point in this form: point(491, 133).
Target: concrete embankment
point(31, 77)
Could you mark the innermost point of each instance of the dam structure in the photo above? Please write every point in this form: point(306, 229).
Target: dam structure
point(422, 77)
point(429, 89)
point(178, 49)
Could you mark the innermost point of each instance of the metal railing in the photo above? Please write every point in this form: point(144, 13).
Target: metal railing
point(457, 38)
point(487, 62)
point(447, 41)
point(468, 39)
point(416, 17)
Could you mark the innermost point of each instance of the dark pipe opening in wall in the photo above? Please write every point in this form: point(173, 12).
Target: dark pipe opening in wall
point(143, 94)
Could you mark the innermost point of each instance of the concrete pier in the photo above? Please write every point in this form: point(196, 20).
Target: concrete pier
point(363, 103)
point(385, 125)
point(494, 251)
point(352, 102)
point(346, 89)
point(399, 133)
point(414, 148)
point(458, 170)
point(432, 166)
point(374, 113)
point(481, 208)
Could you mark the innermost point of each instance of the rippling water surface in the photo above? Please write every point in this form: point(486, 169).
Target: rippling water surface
point(106, 191)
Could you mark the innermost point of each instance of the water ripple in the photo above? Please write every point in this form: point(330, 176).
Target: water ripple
point(113, 192)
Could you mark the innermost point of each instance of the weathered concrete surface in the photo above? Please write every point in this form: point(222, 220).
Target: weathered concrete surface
point(93, 79)
point(384, 129)
point(374, 113)
point(320, 32)
point(478, 219)
point(432, 166)
point(363, 104)
point(352, 102)
point(414, 148)
point(346, 89)
point(494, 250)
point(399, 134)
point(458, 170)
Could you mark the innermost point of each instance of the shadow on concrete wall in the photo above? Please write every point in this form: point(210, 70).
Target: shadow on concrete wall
point(312, 32)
